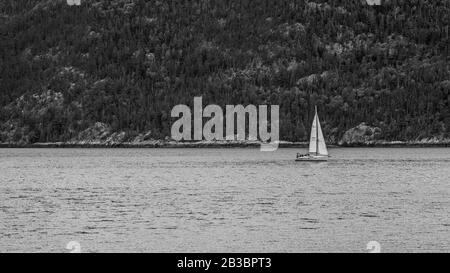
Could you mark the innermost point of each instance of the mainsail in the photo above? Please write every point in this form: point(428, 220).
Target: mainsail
point(317, 145)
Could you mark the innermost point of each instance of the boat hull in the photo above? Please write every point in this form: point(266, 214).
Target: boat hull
point(312, 159)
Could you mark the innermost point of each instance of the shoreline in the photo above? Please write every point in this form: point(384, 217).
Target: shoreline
point(170, 144)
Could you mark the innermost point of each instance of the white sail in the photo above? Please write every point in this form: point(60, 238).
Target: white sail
point(313, 139)
point(321, 145)
point(317, 145)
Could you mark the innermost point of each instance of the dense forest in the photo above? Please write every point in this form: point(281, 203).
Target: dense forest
point(126, 63)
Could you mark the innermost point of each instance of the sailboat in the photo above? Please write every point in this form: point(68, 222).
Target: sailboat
point(317, 147)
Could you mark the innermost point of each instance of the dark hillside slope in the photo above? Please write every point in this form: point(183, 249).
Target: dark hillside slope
point(126, 63)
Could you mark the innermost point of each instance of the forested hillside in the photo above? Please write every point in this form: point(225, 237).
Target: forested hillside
point(126, 63)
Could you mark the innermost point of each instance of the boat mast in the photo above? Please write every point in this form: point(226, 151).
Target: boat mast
point(317, 133)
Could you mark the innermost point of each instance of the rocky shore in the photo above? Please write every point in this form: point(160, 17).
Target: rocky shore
point(364, 135)
point(220, 144)
point(100, 135)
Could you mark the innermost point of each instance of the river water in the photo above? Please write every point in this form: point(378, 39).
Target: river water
point(224, 200)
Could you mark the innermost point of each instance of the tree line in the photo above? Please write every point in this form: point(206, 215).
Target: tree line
point(128, 62)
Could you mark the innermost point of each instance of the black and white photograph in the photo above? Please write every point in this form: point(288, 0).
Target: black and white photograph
point(255, 127)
